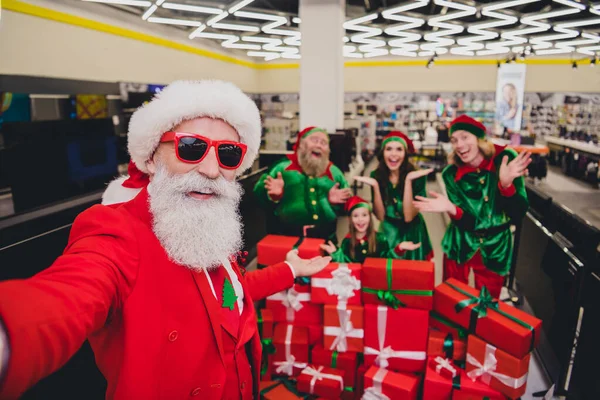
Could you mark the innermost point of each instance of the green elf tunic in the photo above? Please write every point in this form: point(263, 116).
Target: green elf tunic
point(396, 230)
point(361, 250)
point(305, 198)
point(484, 212)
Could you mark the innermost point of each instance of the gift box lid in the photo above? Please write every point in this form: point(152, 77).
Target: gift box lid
point(325, 273)
point(413, 274)
point(299, 334)
point(392, 381)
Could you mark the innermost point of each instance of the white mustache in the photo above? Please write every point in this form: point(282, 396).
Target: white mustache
point(194, 182)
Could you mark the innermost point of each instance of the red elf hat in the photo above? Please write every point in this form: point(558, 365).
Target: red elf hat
point(466, 123)
point(306, 132)
point(397, 136)
point(355, 202)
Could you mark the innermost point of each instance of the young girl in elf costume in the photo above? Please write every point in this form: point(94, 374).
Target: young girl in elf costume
point(394, 184)
point(486, 191)
point(363, 241)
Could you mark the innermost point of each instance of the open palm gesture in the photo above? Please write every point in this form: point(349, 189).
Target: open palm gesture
point(337, 195)
point(329, 247)
point(274, 186)
point(514, 169)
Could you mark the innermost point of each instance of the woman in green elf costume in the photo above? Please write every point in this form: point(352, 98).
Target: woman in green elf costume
point(363, 241)
point(394, 184)
point(486, 193)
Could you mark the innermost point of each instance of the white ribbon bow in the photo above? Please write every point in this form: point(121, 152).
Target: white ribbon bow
point(344, 331)
point(487, 370)
point(384, 353)
point(317, 375)
point(341, 284)
point(291, 300)
point(287, 366)
point(444, 363)
point(375, 392)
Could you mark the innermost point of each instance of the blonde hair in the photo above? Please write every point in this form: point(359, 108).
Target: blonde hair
point(371, 237)
point(485, 147)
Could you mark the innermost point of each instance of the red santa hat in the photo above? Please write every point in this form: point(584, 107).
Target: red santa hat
point(466, 123)
point(125, 187)
point(182, 101)
point(304, 133)
point(397, 136)
point(355, 202)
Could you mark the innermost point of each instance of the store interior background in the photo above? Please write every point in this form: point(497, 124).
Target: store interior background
point(53, 51)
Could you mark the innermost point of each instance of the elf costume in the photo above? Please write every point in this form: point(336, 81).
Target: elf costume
point(305, 198)
point(393, 227)
point(479, 234)
point(361, 249)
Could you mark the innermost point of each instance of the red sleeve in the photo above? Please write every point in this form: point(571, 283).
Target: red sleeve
point(458, 215)
point(507, 192)
point(267, 281)
point(399, 252)
point(48, 316)
point(274, 198)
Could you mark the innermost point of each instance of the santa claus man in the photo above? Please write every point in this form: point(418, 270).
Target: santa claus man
point(152, 282)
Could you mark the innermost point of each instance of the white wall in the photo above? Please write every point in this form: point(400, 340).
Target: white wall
point(31, 45)
point(463, 78)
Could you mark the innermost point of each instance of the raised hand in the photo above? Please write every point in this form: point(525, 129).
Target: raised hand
point(339, 196)
point(412, 175)
point(367, 180)
point(303, 267)
point(404, 246)
point(514, 169)
point(329, 247)
point(436, 203)
point(274, 186)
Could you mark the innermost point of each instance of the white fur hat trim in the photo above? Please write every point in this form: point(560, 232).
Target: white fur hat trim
point(117, 193)
point(185, 100)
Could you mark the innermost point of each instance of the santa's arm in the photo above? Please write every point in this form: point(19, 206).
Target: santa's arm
point(49, 316)
point(267, 281)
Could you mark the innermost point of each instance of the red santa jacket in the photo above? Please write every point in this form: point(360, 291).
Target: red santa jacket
point(153, 334)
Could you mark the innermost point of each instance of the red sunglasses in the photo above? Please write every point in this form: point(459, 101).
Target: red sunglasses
point(192, 148)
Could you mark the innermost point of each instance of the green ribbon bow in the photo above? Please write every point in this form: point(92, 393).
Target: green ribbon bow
point(348, 389)
point(289, 385)
point(462, 332)
point(388, 296)
point(482, 303)
point(267, 348)
point(334, 357)
point(449, 346)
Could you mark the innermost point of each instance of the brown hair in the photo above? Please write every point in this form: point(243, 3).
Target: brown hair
point(371, 237)
point(485, 147)
point(382, 174)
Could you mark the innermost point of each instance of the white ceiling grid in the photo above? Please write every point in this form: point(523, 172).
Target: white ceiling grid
point(406, 32)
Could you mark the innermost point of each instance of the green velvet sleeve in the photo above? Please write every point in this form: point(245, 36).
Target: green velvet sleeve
point(342, 253)
point(383, 247)
point(259, 189)
point(467, 222)
point(338, 177)
point(514, 206)
point(420, 187)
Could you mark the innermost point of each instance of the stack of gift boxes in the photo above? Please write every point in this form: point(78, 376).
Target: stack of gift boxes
point(381, 330)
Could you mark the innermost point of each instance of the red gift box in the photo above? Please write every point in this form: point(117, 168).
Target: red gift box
point(360, 381)
point(276, 390)
point(321, 381)
point(496, 368)
point(446, 345)
point(272, 249)
point(394, 385)
point(398, 283)
point(506, 327)
point(396, 339)
point(438, 387)
point(337, 283)
point(346, 362)
point(442, 324)
point(294, 306)
point(265, 323)
point(291, 350)
point(343, 329)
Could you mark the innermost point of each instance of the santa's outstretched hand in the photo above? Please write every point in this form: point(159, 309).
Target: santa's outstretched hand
point(304, 267)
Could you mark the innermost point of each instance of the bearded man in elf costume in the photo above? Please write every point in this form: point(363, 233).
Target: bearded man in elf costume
point(305, 189)
point(153, 283)
point(486, 193)
point(363, 241)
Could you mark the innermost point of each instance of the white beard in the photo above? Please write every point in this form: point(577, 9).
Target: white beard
point(199, 234)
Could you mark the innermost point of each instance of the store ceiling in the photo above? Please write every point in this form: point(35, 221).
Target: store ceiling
point(269, 29)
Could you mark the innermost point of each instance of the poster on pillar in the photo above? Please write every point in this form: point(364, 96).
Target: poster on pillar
point(510, 90)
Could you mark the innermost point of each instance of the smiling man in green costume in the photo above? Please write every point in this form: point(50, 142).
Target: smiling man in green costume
point(305, 189)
